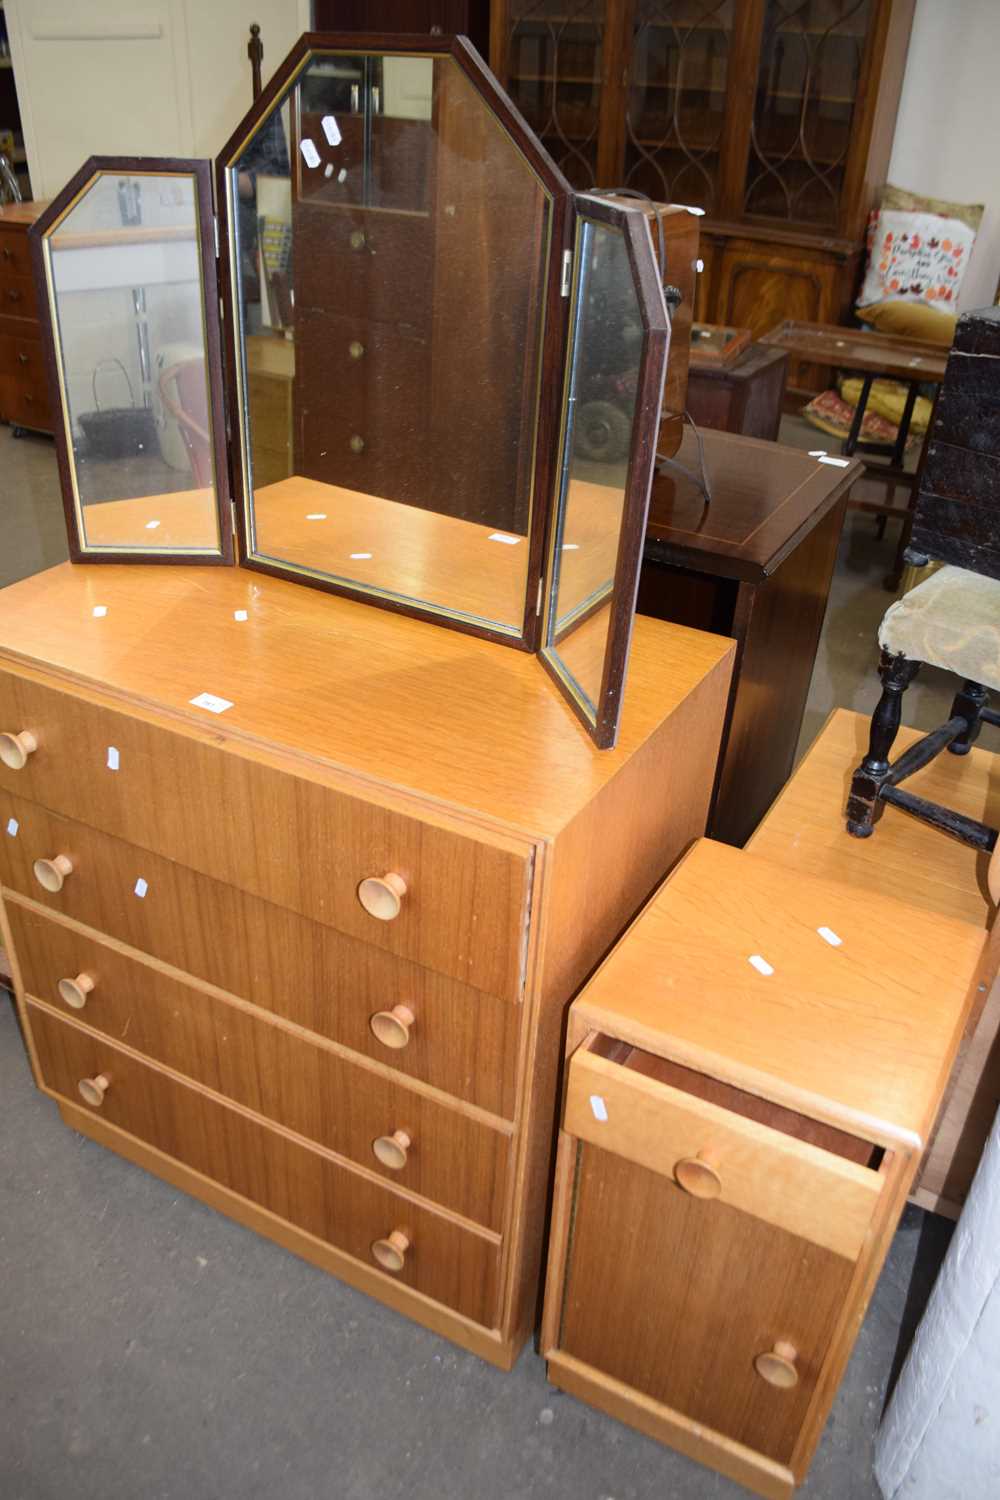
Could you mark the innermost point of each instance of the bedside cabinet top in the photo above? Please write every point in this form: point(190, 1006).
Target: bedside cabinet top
point(398, 702)
point(839, 1003)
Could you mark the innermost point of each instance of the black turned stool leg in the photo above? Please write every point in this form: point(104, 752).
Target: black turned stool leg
point(969, 703)
point(864, 806)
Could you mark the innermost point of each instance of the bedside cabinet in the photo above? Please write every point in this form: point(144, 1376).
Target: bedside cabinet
point(24, 391)
point(296, 892)
point(752, 1074)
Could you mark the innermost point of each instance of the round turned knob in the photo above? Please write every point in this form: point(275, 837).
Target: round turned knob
point(74, 992)
point(356, 349)
point(15, 749)
point(357, 443)
point(50, 873)
point(777, 1366)
point(698, 1177)
point(382, 896)
point(390, 1253)
point(392, 1150)
point(357, 239)
point(392, 1027)
point(93, 1090)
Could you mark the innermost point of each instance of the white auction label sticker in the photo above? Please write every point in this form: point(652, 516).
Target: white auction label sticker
point(829, 936)
point(214, 704)
point(599, 1107)
point(331, 130)
point(141, 887)
point(99, 611)
point(12, 826)
point(310, 153)
point(836, 463)
point(152, 525)
point(114, 759)
point(760, 964)
point(239, 614)
point(500, 536)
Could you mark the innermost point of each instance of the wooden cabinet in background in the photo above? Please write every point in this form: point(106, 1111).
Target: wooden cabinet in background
point(776, 120)
point(24, 391)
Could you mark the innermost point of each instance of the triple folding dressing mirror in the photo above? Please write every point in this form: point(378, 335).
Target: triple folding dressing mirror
point(438, 378)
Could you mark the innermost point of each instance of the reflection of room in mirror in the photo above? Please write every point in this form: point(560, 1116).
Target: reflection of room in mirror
point(605, 354)
point(394, 240)
point(125, 279)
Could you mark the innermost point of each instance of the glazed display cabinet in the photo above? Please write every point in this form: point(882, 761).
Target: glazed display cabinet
point(775, 117)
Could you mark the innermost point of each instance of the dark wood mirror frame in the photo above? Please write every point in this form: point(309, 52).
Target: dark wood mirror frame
point(201, 173)
point(603, 727)
point(553, 337)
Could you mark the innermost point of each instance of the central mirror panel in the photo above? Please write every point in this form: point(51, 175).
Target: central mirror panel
point(390, 250)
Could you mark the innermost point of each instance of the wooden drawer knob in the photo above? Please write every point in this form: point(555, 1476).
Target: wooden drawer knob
point(698, 1177)
point(382, 896)
point(390, 1253)
point(777, 1366)
point(392, 1150)
point(392, 1027)
point(93, 1090)
point(15, 749)
point(74, 992)
point(50, 873)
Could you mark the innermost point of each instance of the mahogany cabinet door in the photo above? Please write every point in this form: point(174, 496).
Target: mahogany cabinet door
point(678, 1297)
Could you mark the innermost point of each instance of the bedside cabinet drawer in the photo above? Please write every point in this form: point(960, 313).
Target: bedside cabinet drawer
point(711, 1140)
point(15, 257)
point(688, 1306)
point(17, 296)
point(451, 899)
point(411, 1140)
point(454, 1265)
point(412, 1019)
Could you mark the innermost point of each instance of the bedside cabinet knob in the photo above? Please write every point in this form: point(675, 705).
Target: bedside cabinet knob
point(698, 1177)
point(93, 1090)
point(392, 1027)
point(382, 896)
point(390, 1253)
point(74, 992)
point(15, 749)
point(50, 873)
point(392, 1150)
point(777, 1366)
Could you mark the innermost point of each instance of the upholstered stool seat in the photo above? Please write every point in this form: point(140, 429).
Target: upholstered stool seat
point(951, 620)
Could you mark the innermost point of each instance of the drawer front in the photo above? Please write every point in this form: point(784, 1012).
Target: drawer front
point(681, 1305)
point(15, 258)
point(29, 406)
point(459, 1040)
point(376, 265)
point(788, 1182)
point(447, 1155)
point(293, 842)
point(17, 297)
point(455, 1266)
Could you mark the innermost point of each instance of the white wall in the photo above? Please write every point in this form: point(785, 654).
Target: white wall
point(947, 141)
point(136, 77)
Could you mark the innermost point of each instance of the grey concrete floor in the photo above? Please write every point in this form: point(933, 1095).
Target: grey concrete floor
point(151, 1348)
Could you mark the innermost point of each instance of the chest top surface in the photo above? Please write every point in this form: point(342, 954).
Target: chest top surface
point(399, 702)
point(832, 1000)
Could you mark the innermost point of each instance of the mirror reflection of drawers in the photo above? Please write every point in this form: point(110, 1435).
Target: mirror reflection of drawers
point(24, 392)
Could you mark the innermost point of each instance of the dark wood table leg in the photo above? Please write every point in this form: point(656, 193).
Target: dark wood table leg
point(851, 441)
point(893, 579)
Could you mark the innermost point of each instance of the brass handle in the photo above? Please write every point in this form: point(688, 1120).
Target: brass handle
point(357, 444)
point(6, 253)
point(392, 1150)
point(93, 1090)
point(390, 1253)
point(357, 239)
point(15, 749)
point(74, 992)
point(356, 349)
point(50, 873)
point(22, 358)
point(698, 1177)
point(777, 1366)
point(13, 295)
point(392, 1027)
point(382, 895)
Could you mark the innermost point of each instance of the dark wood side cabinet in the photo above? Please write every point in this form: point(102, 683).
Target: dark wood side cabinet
point(24, 392)
point(755, 564)
point(450, 17)
point(776, 119)
point(744, 396)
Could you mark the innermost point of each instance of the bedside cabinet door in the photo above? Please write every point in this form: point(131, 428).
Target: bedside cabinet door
point(687, 1300)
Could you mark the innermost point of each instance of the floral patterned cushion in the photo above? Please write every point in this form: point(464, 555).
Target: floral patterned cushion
point(951, 620)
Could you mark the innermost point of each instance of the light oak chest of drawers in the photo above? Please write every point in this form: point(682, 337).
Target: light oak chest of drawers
point(309, 958)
